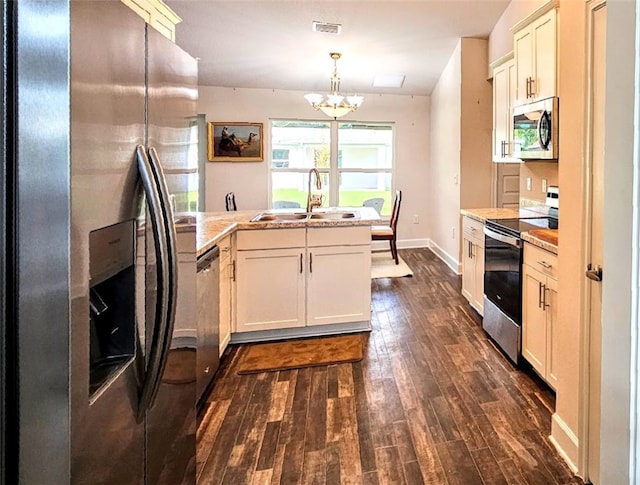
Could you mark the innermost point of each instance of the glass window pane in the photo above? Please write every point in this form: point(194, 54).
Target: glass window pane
point(292, 187)
point(357, 187)
point(365, 145)
point(300, 144)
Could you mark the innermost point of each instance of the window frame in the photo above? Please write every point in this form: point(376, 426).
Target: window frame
point(333, 172)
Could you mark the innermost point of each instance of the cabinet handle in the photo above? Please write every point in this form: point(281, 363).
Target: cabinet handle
point(544, 264)
point(539, 295)
point(301, 268)
point(545, 305)
point(531, 87)
point(527, 94)
point(233, 273)
point(310, 262)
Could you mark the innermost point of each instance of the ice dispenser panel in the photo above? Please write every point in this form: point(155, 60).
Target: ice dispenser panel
point(111, 302)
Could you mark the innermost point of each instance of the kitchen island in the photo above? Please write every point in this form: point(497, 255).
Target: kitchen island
point(290, 273)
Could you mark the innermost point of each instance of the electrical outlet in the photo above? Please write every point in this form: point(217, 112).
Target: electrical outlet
point(416, 219)
point(528, 183)
point(544, 186)
point(455, 179)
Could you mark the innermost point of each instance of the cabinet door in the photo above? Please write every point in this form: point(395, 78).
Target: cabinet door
point(478, 289)
point(500, 111)
point(534, 325)
point(226, 275)
point(553, 352)
point(523, 51)
point(544, 34)
point(468, 270)
point(269, 289)
point(338, 284)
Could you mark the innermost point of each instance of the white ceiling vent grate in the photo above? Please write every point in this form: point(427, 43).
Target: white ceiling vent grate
point(325, 27)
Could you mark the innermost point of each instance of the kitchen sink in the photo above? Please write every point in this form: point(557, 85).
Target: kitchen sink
point(333, 215)
point(271, 217)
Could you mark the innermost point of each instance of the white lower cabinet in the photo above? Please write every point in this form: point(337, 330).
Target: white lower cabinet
point(270, 286)
point(473, 263)
point(226, 294)
point(324, 280)
point(338, 284)
point(539, 312)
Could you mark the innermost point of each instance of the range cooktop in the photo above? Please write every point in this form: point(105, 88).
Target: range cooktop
point(517, 226)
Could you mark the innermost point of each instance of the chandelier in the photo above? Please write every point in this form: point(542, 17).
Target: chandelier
point(334, 104)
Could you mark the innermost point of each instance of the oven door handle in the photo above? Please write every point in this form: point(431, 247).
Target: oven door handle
point(510, 240)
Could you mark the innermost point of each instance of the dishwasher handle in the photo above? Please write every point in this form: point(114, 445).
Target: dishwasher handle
point(207, 258)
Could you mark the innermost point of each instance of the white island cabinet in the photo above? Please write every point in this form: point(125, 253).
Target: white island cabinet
point(293, 282)
point(339, 275)
point(270, 279)
point(227, 264)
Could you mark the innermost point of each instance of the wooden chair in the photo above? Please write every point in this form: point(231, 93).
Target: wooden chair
point(230, 202)
point(388, 233)
point(376, 203)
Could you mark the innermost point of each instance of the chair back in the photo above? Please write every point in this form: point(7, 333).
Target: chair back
point(285, 204)
point(376, 203)
point(230, 202)
point(395, 213)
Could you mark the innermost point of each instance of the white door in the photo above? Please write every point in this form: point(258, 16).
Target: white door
point(508, 185)
point(597, 128)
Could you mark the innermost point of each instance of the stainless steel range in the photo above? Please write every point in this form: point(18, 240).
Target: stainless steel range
point(503, 280)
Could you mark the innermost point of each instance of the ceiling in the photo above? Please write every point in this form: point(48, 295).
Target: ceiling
point(270, 44)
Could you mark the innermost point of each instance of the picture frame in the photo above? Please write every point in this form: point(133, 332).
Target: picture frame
point(235, 142)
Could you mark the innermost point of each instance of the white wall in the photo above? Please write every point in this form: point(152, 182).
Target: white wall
point(460, 168)
point(444, 192)
point(618, 426)
point(249, 180)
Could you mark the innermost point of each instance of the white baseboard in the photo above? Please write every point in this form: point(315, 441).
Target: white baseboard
point(446, 257)
point(565, 441)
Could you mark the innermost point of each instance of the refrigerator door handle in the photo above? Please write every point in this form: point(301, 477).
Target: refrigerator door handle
point(160, 240)
point(172, 275)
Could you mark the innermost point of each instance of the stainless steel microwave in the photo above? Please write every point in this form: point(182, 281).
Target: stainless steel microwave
point(535, 130)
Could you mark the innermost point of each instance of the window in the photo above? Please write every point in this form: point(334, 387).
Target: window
point(355, 161)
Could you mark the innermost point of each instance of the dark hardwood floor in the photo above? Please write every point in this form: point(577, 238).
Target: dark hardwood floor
point(432, 401)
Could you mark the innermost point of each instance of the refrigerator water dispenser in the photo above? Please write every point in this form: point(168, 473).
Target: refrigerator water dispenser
point(111, 302)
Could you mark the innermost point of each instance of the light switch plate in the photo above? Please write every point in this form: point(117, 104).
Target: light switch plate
point(528, 183)
point(544, 186)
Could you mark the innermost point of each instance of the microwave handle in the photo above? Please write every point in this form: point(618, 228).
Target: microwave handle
point(544, 122)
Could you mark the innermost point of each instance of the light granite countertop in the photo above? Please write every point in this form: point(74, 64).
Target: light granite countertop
point(211, 227)
point(481, 215)
point(543, 238)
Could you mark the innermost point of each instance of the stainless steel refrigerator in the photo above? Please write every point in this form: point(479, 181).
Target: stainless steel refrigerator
point(99, 111)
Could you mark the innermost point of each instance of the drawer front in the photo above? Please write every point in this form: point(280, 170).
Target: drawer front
point(270, 239)
point(473, 229)
point(338, 236)
point(541, 260)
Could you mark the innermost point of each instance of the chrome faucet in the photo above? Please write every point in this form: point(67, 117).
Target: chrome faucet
point(311, 205)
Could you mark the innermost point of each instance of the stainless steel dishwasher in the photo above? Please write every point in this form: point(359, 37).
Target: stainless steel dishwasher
point(208, 330)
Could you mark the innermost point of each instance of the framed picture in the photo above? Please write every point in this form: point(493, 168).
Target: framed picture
point(234, 142)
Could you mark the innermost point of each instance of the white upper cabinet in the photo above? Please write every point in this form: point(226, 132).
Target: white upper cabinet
point(504, 97)
point(535, 50)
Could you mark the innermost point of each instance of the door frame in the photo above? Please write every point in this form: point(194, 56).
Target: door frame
point(584, 411)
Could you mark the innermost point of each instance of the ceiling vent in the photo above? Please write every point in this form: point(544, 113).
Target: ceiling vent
point(325, 27)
